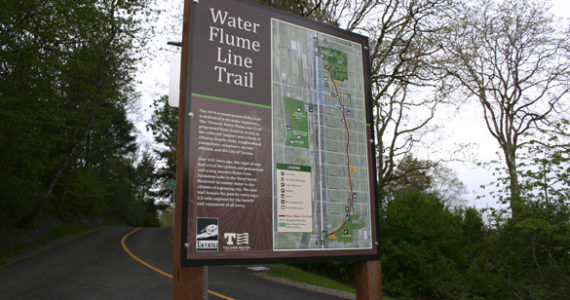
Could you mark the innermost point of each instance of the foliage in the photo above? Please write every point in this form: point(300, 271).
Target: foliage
point(411, 174)
point(545, 173)
point(18, 242)
point(434, 253)
point(67, 147)
point(534, 245)
point(166, 217)
point(164, 127)
point(431, 252)
point(519, 257)
point(428, 177)
point(426, 252)
point(147, 183)
point(529, 253)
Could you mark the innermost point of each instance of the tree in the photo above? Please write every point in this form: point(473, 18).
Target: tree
point(163, 125)
point(26, 92)
point(447, 186)
point(147, 183)
point(427, 177)
point(402, 49)
point(528, 255)
point(430, 252)
point(67, 74)
point(411, 174)
point(513, 58)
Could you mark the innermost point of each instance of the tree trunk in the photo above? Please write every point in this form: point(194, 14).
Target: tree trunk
point(514, 185)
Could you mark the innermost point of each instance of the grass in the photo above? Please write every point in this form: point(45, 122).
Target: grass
point(68, 229)
point(25, 243)
point(299, 275)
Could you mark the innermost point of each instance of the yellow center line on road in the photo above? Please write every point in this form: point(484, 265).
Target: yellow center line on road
point(138, 259)
point(157, 269)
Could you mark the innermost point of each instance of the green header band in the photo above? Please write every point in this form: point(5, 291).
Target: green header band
point(230, 100)
point(293, 167)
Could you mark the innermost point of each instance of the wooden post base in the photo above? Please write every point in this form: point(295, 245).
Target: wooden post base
point(368, 280)
point(188, 283)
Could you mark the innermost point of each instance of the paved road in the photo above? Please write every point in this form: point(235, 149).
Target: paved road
point(96, 266)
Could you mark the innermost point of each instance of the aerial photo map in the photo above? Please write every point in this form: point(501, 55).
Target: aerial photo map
point(321, 195)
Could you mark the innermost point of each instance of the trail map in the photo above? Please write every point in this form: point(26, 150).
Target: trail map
point(321, 195)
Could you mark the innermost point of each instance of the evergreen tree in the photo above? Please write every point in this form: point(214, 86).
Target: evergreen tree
point(164, 127)
point(67, 74)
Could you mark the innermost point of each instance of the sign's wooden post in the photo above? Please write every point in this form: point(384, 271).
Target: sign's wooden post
point(187, 281)
point(368, 280)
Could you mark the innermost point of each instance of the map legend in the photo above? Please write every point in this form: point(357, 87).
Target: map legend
point(295, 207)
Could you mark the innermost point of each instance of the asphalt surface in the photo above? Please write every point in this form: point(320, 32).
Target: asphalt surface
point(96, 266)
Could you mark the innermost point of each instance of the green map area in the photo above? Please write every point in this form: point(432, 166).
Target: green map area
point(345, 235)
point(338, 63)
point(297, 123)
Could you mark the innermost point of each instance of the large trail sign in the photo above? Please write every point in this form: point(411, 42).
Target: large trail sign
point(278, 157)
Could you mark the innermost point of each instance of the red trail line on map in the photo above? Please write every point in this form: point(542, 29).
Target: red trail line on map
point(347, 138)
